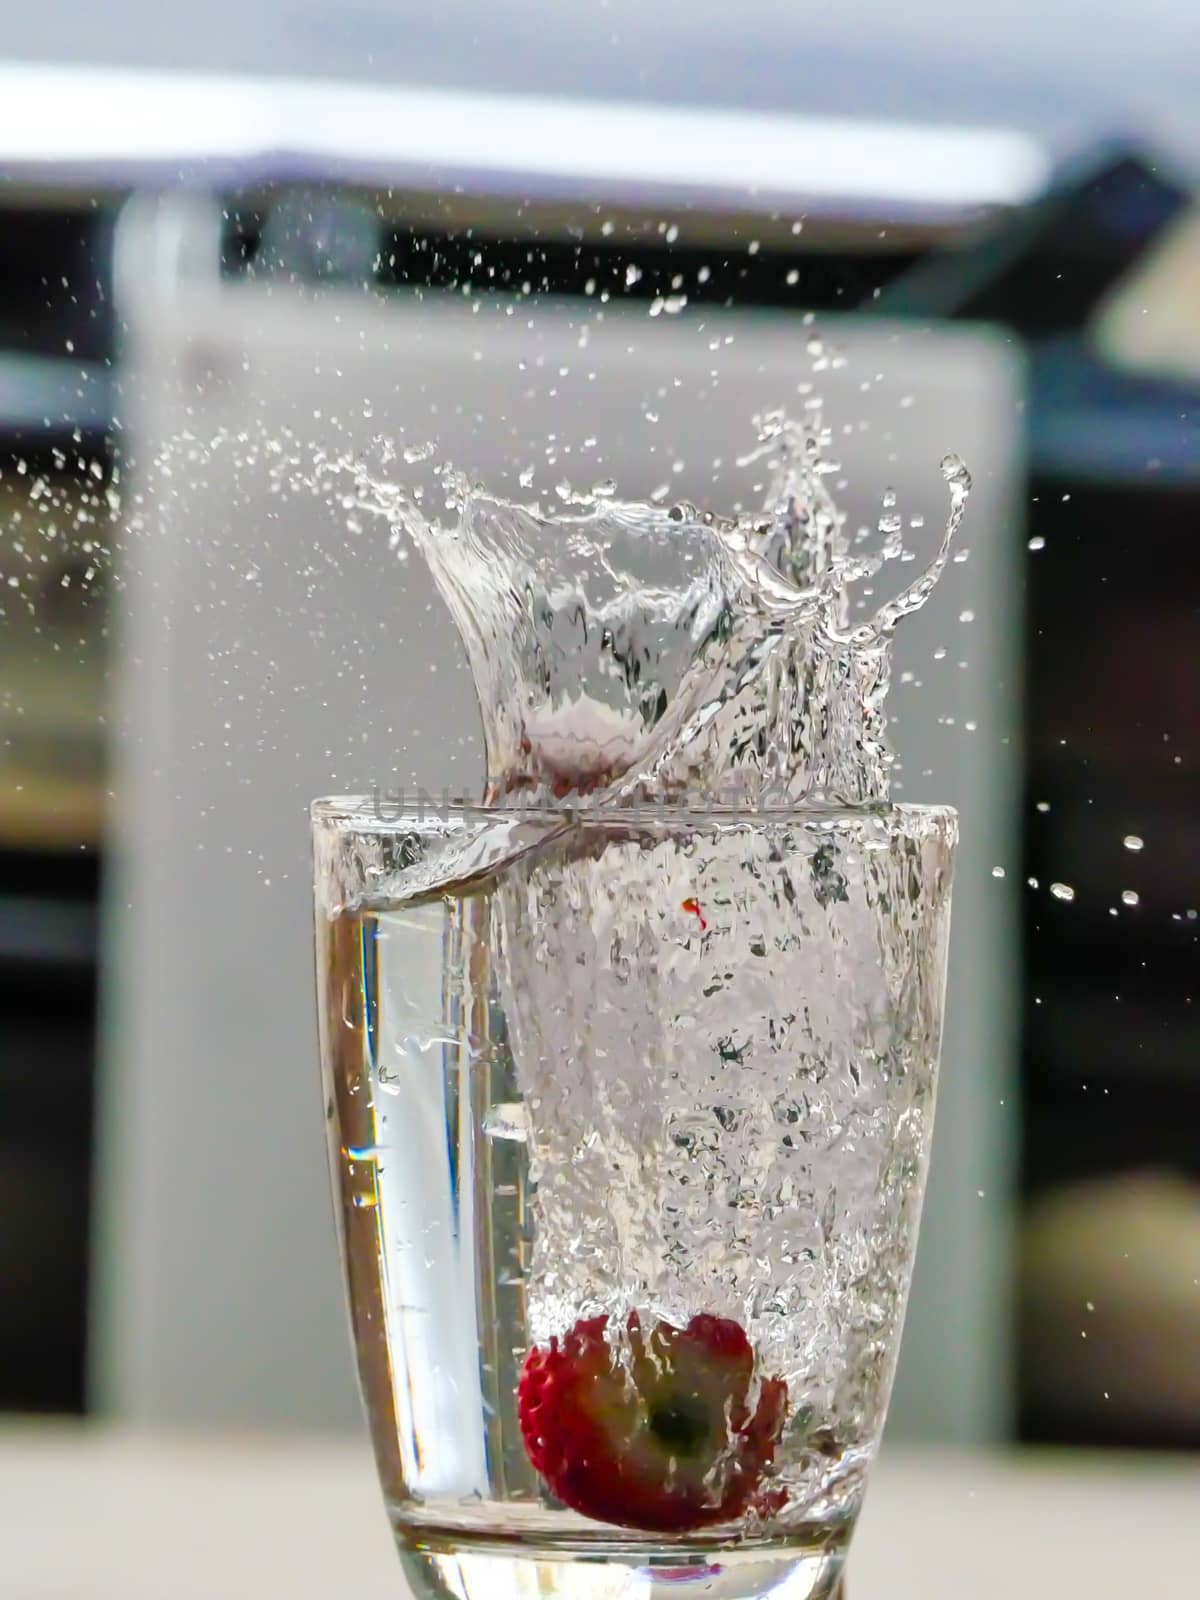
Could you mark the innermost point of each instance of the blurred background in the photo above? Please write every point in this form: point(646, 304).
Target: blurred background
point(234, 233)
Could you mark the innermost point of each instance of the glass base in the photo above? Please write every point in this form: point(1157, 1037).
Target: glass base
point(457, 1569)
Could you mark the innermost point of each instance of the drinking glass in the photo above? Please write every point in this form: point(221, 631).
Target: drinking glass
point(629, 1115)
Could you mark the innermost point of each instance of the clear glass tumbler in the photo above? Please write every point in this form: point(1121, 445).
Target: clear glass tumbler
point(629, 1116)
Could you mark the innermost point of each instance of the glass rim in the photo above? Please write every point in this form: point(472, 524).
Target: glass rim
point(375, 813)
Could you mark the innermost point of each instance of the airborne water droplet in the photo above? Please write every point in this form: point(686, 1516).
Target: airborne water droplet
point(509, 1121)
point(1062, 891)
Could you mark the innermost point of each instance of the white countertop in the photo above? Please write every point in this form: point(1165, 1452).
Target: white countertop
point(94, 1514)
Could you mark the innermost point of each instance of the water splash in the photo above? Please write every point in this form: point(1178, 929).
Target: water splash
point(625, 649)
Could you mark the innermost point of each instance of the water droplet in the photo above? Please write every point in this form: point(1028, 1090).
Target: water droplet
point(1036, 543)
point(632, 275)
point(1130, 897)
point(1042, 805)
point(1062, 891)
point(997, 872)
point(418, 452)
point(509, 1121)
point(1132, 842)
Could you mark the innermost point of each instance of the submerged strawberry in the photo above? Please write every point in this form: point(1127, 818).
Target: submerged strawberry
point(658, 1435)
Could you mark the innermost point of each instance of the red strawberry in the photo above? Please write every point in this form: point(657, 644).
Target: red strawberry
point(657, 1434)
